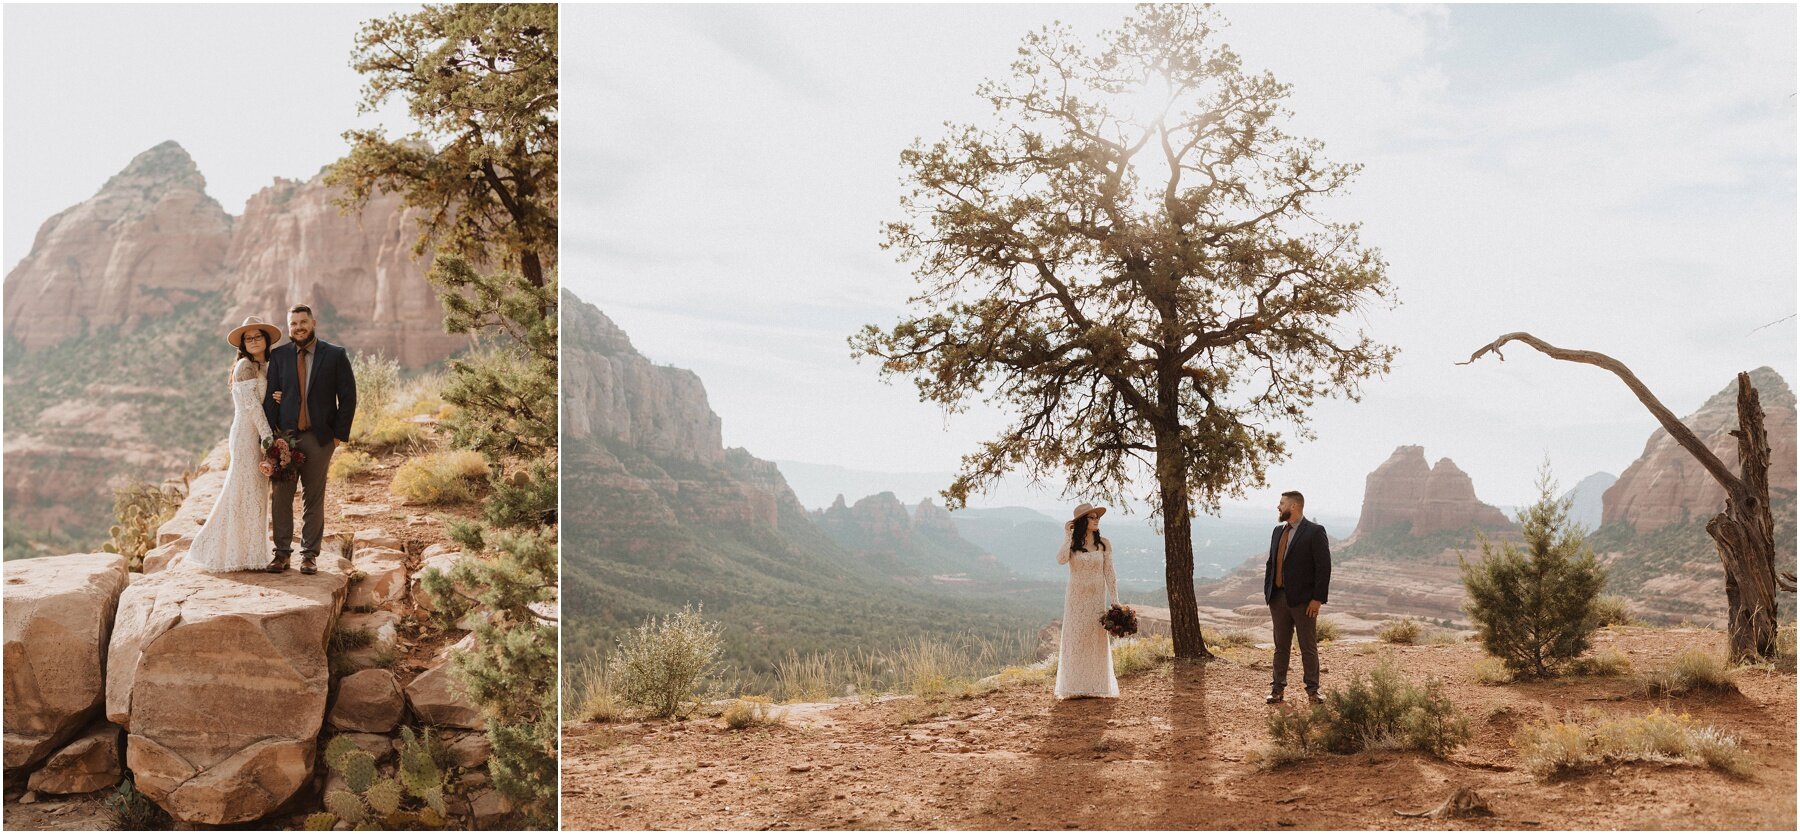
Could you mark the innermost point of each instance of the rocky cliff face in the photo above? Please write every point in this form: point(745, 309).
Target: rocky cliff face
point(148, 240)
point(611, 392)
point(292, 245)
point(1665, 485)
point(1404, 490)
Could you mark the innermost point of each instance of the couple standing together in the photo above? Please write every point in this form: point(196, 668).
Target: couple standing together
point(303, 394)
point(1296, 581)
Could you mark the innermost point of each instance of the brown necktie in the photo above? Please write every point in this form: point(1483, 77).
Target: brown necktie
point(1281, 555)
point(305, 423)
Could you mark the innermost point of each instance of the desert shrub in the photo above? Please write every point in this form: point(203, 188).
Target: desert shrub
point(138, 509)
point(804, 678)
point(587, 695)
point(448, 477)
point(1608, 663)
point(349, 463)
point(1690, 671)
point(1137, 654)
point(1036, 674)
point(1784, 649)
point(389, 434)
point(1535, 608)
point(1406, 631)
point(133, 811)
point(377, 381)
point(412, 798)
point(420, 396)
point(751, 711)
point(1382, 710)
point(1550, 749)
point(1326, 630)
point(659, 664)
point(1489, 671)
point(1611, 610)
point(1228, 639)
point(526, 498)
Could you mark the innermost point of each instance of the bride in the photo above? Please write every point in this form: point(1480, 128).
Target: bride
point(236, 533)
point(1084, 667)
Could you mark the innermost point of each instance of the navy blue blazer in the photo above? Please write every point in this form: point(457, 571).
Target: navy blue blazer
point(330, 397)
point(1306, 572)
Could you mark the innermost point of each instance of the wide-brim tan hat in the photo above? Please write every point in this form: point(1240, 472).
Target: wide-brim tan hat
point(1084, 509)
point(236, 337)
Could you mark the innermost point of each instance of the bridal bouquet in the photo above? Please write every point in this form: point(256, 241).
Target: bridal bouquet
point(1119, 621)
point(281, 460)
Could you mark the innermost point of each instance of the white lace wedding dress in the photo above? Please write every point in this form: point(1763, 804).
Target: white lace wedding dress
point(236, 533)
point(1084, 667)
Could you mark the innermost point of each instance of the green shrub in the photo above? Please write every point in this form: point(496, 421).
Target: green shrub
point(1535, 608)
point(1406, 631)
point(590, 696)
point(1550, 749)
point(132, 811)
point(659, 664)
point(526, 498)
point(1690, 671)
point(441, 478)
point(1380, 710)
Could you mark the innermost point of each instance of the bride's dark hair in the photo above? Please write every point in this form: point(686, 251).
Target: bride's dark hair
point(244, 353)
point(1078, 538)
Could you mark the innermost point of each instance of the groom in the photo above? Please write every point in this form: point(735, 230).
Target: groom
point(312, 394)
point(1295, 582)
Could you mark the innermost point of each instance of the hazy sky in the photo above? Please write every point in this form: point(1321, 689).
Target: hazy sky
point(252, 93)
point(1613, 178)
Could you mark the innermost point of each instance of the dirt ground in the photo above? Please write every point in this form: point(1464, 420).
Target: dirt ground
point(1175, 752)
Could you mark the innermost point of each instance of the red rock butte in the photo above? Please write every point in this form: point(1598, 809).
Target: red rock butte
point(1404, 490)
point(151, 239)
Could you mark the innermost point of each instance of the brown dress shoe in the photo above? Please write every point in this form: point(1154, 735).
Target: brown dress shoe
point(306, 565)
point(280, 565)
point(1314, 698)
point(1272, 699)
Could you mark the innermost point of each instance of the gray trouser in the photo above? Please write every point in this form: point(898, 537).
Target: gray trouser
point(1290, 620)
point(312, 485)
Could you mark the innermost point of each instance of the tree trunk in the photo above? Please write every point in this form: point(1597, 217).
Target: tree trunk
point(1745, 536)
point(1744, 533)
point(1178, 550)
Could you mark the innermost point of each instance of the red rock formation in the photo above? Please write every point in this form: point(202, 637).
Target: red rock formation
point(1665, 485)
point(1403, 490)
point(147, 241)
point(293, 246)
point(151, 239)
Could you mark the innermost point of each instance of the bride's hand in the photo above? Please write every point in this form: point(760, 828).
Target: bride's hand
point(277, 396)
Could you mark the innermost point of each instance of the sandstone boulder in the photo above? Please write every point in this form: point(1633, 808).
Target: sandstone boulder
point(91, 762)
point(470, 750)
point(221, 682)
point(375, 537)
point(438, 700)
point(384, 577)
point(383, 630)
point(369, 701)
point(59, 617)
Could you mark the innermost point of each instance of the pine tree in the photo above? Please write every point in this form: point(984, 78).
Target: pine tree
point(1536, 607)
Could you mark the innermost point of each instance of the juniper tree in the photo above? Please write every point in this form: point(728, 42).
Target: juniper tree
point(1536, 607)
point(1131, 258)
